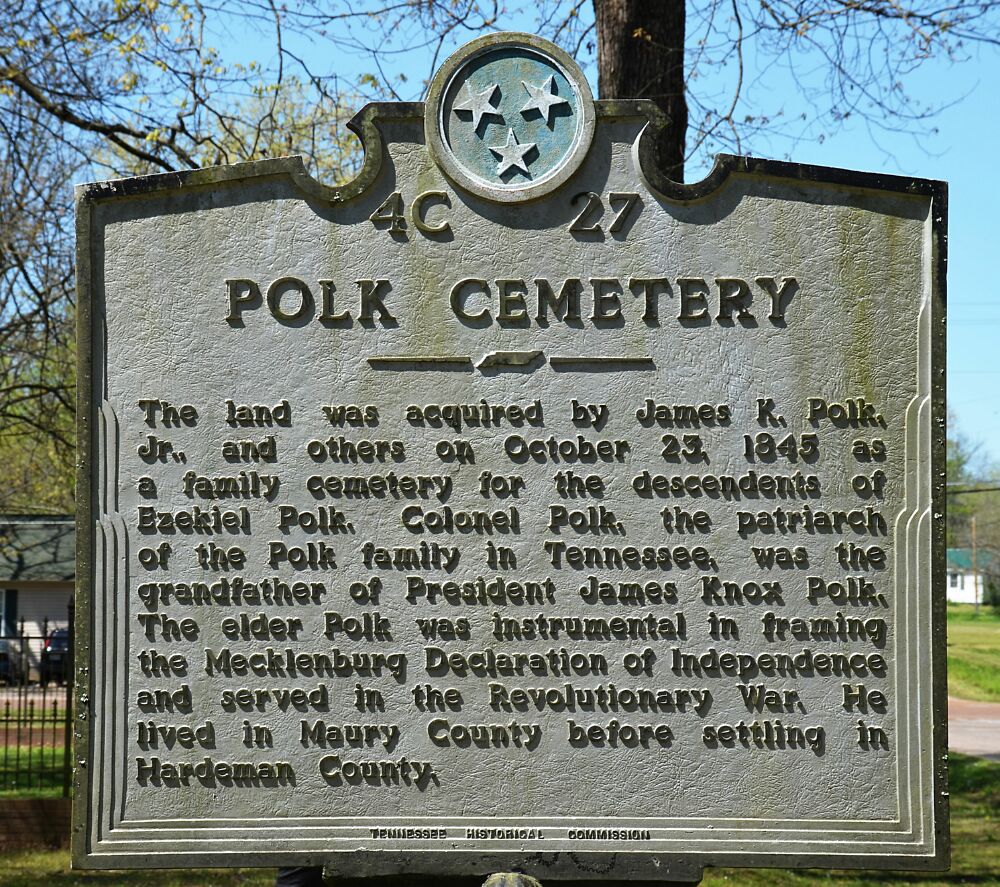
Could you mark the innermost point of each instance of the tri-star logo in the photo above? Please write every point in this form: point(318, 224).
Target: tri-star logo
point(479, 104)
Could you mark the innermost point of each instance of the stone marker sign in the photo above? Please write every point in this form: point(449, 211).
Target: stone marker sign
point(510, 506)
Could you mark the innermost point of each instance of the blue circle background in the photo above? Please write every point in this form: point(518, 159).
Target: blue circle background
point(509, 67)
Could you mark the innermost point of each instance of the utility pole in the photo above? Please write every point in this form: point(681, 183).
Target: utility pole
point(975, 572)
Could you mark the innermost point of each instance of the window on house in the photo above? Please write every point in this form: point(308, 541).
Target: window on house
point(8, 611)
point(953, 580)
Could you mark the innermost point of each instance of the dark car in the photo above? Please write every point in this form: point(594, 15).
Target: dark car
point(54, 665)
point(10, 662)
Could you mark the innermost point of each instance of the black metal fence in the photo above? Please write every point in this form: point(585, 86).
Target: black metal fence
point(36, 694)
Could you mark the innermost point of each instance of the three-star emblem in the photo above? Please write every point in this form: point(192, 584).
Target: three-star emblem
point(512, 155)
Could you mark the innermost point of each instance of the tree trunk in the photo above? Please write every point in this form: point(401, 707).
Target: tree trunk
point(640, 55)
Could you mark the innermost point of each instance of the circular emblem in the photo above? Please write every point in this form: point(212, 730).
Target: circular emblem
point(509, 117)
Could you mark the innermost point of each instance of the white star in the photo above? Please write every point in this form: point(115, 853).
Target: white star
point(478, 103)
point(512, 154)
point(543, 98)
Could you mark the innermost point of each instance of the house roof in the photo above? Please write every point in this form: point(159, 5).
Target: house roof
point(37, 548)
point(961, 559)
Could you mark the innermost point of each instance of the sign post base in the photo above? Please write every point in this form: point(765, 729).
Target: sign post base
point(333, 878)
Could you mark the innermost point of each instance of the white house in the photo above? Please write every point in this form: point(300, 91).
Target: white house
point(964, 585)
point(37, 566)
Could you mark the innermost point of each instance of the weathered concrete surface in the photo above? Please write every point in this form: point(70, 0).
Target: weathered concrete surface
point(708, 395)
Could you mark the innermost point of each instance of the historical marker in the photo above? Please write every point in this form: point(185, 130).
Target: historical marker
point(511, 507)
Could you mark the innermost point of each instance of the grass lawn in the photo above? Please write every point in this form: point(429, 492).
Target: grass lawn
point(975, 794)
point(31, 772)
point(973, 653)
point(44, 868)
